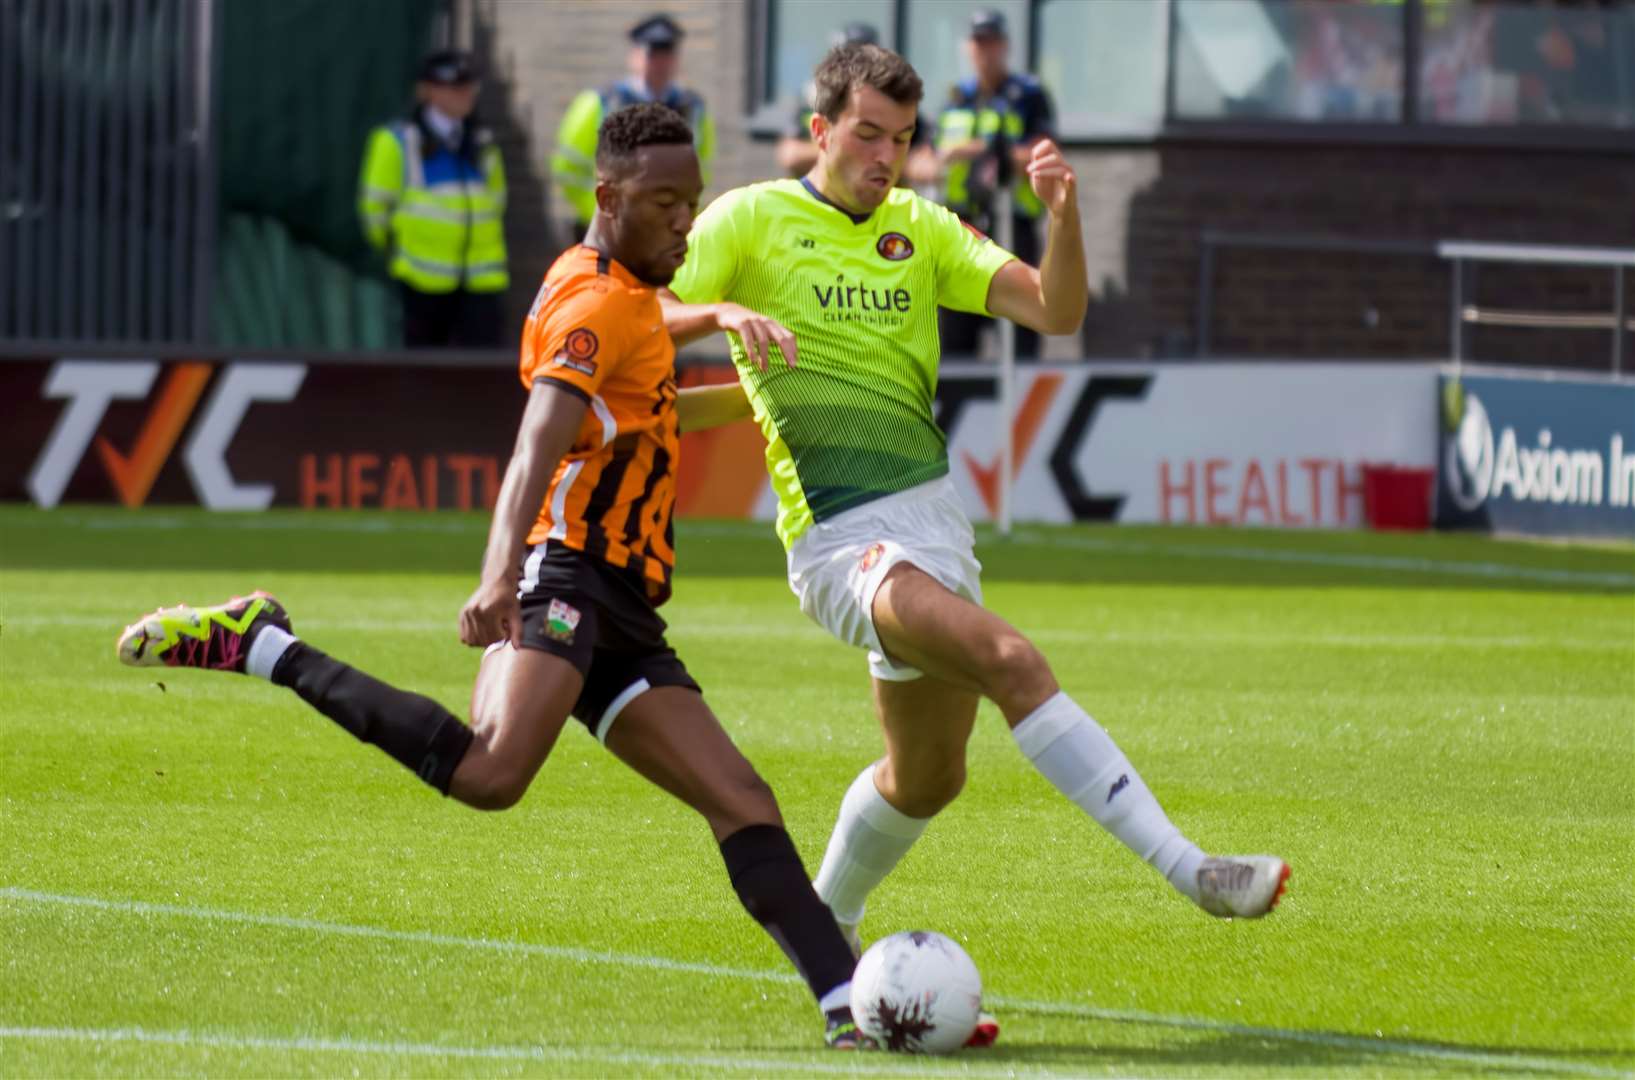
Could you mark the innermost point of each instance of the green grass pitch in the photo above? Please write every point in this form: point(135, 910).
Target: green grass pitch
point(202, 878)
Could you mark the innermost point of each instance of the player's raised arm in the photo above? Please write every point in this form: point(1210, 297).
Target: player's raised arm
point(758, 333)
point(1053, 298)
point(549, 424)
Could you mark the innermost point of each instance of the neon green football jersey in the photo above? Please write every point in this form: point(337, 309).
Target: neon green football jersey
point(852, 421)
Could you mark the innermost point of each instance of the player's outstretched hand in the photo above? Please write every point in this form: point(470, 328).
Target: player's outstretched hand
point(1052, 177)
point(492, 614)
point(758, 332)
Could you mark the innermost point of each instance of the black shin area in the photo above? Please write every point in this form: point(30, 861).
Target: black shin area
point(767, 874)
point(425, 737)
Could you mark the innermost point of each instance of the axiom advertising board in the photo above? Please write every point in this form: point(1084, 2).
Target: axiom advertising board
point(1546, 457)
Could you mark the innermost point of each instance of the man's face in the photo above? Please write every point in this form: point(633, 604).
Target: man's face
point(655, 67)
point(651, 204)
point(864, 149)
point(455, 102)
point(989, 56)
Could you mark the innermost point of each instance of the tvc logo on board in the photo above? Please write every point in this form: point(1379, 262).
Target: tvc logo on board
point(90, 386)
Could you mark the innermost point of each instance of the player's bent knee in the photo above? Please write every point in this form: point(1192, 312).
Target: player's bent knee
point(1013, 667)
point(498, 796)
point(495, 788)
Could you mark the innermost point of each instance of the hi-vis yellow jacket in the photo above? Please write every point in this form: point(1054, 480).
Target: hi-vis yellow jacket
point(1017, 113)
point(574, 163)
point(436, 212)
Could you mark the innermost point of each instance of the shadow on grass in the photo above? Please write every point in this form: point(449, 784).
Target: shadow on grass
point(1318, 1053)
point(386, 542)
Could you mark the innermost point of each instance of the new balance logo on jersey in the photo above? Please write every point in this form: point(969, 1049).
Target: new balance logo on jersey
point(1118, 785)
point(807, 242)
point(847, 302)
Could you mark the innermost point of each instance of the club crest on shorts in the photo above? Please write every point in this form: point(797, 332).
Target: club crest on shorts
point(560, 622)
point(894, 247)
point(871, 557)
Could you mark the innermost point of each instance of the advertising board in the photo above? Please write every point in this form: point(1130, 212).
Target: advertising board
point(1530, 455)
point(1242, 444)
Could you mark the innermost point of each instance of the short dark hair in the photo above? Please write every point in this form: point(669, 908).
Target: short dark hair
point(847, 67)
point(636, 126)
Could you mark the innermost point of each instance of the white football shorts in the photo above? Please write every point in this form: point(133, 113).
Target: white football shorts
point(836, 566)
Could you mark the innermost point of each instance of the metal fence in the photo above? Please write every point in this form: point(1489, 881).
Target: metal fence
point(107, 190)
point(1463, 257)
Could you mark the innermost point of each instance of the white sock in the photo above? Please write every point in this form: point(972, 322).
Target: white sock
point(1083, 762)
point(836, 998)
point(266, 650)
point(870, 837)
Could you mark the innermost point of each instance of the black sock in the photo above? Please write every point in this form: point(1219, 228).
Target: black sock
point(414, 729)
point(767, 874)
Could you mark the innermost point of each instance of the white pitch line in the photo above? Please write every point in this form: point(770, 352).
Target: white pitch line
point(422, 937)
point(703, 628)
point(448, 627)
point(1401, 563)
point(258, 523)
point(872, 1066)
point(752, 529)
point(1333, 1040)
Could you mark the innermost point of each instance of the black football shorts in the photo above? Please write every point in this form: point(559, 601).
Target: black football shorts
point(598, 618)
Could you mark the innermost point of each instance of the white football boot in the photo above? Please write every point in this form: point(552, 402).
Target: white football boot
point(1241, 886)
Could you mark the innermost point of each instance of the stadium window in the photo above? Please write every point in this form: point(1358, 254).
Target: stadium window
point(1513, 63)
point(1329, 61)
point(1476, 72)
point(1103, 64)
point(936, 32)
point(801, 32)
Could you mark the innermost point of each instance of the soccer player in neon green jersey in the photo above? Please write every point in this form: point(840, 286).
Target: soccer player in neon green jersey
point(841, 273)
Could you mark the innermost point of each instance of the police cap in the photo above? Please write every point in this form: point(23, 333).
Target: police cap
point(987, 23)
point(448, 67)
point(657, 32)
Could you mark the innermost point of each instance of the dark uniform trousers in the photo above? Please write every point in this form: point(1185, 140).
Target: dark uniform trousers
point(961, 332)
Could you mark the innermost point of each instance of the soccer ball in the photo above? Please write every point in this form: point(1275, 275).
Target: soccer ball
point(916, 992)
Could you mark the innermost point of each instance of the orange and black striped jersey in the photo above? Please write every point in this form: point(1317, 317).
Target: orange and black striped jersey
point(597, 332)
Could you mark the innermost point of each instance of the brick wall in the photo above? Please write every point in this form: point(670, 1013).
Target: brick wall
point(1144, 208)
point(1282, 303)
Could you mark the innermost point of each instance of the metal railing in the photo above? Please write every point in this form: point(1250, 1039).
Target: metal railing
point(107, 185)
point(1461, 255)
